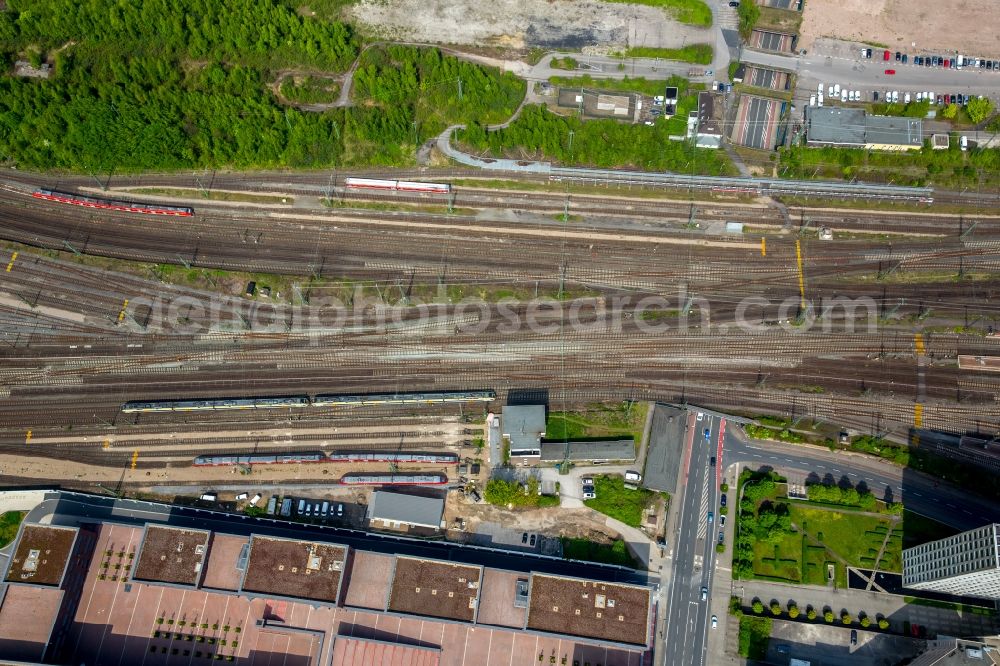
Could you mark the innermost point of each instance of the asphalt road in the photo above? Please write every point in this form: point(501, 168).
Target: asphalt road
point(687, 622)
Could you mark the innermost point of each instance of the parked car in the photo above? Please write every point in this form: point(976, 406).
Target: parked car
point(722, 536)
point(819, 89)
point(340, 510)
point(707, 432)
point(587, 481)
point(704, 593)
point(895, 96)
point(531, 541)
point(836, 90)
point(904, 58)
point(906, 98)
point(722, 520)
point(712, 461)
point(734, 3)
point(241, 497)
point(890, 72)
point(854, 636)
point(946, 63)
point(701, 415)
point(722, 500)
point(812, 100)
point(899, 56)
point(885, 55)
point(715, 621)
point(869, 54)
point(875, 96)
point(589, 495)
point(524, 538)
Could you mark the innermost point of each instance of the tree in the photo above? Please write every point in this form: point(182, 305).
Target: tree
point(811, 613)
point(828, 616)
point(865, 621)
point(775, 608)
point(883, 623)
point(979, 109)
point(949, 111)
point(846, 618)
point(724, 487)
point(793, 612)
point(758, 606)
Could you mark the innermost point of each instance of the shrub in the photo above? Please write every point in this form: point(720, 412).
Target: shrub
point(811, 613)
point(979, 109)
point(883, 624)
point(775, 608)
point(720, 547)
point(865, 621)
point(793, 612)
point(758, 606)
point(846, 618)
point(725, 486)
point(828, 616)
point(949, 112)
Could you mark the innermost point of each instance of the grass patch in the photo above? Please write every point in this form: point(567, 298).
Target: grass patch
point(309, 90)
point(755, 632)
point(622, 419)
point(855, 538)
point(948, 605)
point(564, 63)
point(212, 195)
point(512, 494)
point(590, 551)
point(10, 521)
point(638, 84)
point(692, 12)
point(615, 500)
point(780, 20)
point(699, 54)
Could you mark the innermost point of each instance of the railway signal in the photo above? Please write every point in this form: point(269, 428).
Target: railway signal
point(135, 457)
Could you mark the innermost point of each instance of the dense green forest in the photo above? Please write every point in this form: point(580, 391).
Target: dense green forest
point(156, 85)
point(397, 76)
point(539, 133)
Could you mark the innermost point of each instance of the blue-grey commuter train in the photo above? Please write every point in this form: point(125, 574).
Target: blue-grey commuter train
point(393, 479)
point(261, 459)
point(324, 400)
point(335, 457)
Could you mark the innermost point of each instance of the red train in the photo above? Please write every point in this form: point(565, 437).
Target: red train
point(112, 204)
point(396, 185)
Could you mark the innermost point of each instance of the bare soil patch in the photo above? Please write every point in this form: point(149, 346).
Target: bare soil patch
point(969, 25)
point(517, 24)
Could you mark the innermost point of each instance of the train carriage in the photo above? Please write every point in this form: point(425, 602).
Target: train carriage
point(112, 204)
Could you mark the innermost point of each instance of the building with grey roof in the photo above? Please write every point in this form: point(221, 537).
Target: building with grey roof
point(524, 427)
point(854, 128)
point(604, 450)
point(966, 564)
point(950, 651)
point(708, 130)
point(395, 510)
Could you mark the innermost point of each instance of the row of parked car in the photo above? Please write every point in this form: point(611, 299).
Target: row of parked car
point(947, 62)
point(890, 96)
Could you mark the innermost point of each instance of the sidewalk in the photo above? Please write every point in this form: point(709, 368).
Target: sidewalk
point(936, 620)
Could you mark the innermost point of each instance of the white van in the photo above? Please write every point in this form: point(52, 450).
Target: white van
point(812, 100)
point(302, 507)
point(326, 508)
point(963, 142)
point(255, 499)
point(241, 497)
point(633, 476)
point(209, 497)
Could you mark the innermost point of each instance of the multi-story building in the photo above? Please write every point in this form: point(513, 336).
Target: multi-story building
point(967, 564)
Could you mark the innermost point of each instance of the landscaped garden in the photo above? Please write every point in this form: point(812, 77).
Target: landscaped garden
point(808, 541)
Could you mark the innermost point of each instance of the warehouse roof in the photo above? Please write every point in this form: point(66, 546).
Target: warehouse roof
point(607, 449)
point(523, 425)
point(854, 127)
point(409, 509)
point(838, 125)
point(709, 113)
point(893, 131)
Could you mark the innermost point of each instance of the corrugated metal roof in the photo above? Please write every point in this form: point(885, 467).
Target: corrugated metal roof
point(609, 449)
point(410, 509)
